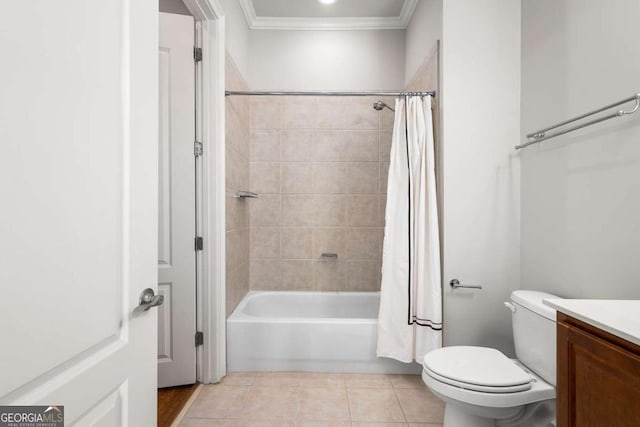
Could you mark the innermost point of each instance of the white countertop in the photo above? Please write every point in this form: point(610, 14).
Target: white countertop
point(618, 317)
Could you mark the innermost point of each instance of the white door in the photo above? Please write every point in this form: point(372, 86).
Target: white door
point(78, 221)
point(177, 204)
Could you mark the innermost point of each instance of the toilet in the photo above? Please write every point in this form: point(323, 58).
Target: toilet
point(482, 387)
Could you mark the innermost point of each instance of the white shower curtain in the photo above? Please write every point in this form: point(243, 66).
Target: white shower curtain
point(410, 317)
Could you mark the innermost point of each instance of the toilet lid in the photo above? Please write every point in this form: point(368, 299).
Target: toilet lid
point(478, 368)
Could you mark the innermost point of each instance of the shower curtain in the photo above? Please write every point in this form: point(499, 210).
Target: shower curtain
point(410, 316)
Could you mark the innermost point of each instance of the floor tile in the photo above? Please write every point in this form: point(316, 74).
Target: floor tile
point(304, 423)
point(368, 381)
point(218, 401)
point(203, 422)
point(313, 379)
point(420, 406)
point(265, 423)
point(407, 381)
point(369, 404)
point(323, 404)
point(277, 379)
point(365, 424)
point(306, 399)
point(271, 403)
point(238, 378)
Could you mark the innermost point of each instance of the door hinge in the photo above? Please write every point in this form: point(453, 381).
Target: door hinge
point(197, 148)
point(199, 243)
point(197, 54)
point(199, 338)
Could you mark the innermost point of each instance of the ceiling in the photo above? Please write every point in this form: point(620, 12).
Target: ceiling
point(315, 9)
point(341, 15)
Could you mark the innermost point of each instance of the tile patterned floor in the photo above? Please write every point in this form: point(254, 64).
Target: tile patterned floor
point(291, 399)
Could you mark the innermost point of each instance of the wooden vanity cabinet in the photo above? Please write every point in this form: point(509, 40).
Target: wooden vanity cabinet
point(598, 382)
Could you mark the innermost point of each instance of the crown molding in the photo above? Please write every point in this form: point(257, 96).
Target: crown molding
point(272, 23)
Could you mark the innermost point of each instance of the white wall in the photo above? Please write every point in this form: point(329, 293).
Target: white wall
point(480, 98)
point(174, 6)
point(580, 192)
point(237, 35)
point(424, 30)
point(326, 60)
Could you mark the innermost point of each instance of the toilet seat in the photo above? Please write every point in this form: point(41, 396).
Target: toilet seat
point(540, 390)
point(477, 368)
point(484, 377)
point(478, 387)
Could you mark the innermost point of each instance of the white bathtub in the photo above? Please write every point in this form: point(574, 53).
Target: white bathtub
point(308, 331)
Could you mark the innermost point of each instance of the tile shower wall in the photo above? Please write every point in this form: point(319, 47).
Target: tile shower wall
point(237, 178)
point(320, 167)
point(426, 79)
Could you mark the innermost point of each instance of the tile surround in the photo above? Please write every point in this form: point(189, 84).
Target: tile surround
point(317, 164)
point(330, 210)
point(297, 209)
point(297, 178)
point(364, 178)
point(265, 145)
point(320, 165)
point(297, 243)
point(237, 153)
point(297, 275)
point(315, 400)
point(297, 145)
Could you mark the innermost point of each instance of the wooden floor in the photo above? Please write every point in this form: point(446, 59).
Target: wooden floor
point(171, 401)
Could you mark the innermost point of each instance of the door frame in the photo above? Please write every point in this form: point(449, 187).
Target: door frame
point(209, 18)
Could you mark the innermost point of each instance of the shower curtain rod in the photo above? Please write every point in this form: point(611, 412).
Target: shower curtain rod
point(269, 93)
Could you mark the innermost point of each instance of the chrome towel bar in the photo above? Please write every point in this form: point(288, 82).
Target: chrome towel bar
point(323, 93)
point(455, 284)
point(542, 135)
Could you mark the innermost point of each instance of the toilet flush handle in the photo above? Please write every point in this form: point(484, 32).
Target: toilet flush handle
point(510, 306)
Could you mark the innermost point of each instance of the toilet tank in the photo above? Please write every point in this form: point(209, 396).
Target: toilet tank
point(534, 332)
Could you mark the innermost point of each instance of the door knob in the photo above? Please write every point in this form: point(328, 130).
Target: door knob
point(148, 299)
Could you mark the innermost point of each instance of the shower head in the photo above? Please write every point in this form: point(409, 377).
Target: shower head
point(379, 105)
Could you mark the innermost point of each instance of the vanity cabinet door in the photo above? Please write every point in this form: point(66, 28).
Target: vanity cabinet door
point(598, 377)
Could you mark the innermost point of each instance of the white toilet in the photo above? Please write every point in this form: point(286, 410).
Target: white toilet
point(482, 387)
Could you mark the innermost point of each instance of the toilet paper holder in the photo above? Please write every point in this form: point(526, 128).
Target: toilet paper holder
point(455, 284)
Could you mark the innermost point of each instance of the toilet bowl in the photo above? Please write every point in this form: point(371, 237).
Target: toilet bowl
point(482, 387)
